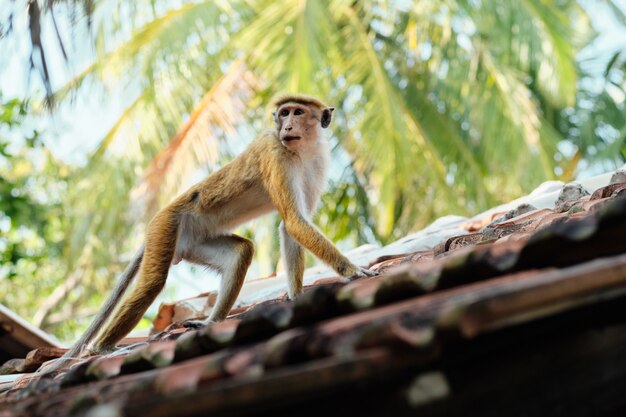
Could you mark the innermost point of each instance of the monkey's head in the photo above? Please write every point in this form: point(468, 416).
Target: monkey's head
point(299, 119)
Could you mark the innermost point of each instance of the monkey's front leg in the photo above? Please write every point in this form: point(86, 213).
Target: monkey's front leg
point(294, 260)
point(308, 236)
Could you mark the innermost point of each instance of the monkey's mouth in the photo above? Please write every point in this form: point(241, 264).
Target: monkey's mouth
point(290, 138)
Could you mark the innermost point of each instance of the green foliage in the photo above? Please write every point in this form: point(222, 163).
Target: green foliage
point(23, 217)
point(597, 124)
point(63, 238)
point(32, 225)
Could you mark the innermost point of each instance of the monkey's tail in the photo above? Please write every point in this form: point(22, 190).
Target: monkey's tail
point(120, 288)
point(159, 251)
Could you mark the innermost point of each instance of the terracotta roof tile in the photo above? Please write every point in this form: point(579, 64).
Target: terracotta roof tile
point(187, 376)
point(608, 191)
point(104, 367)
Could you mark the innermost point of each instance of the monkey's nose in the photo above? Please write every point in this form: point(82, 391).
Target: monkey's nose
point(288, 128)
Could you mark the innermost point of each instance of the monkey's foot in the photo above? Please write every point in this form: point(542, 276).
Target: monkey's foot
point(363, 272)
point(96, 350)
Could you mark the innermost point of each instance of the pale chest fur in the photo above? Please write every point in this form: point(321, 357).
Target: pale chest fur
point(309, 176)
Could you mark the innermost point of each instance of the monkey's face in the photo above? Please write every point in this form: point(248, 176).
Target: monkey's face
point(299, 124)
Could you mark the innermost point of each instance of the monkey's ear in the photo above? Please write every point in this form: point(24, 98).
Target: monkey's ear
point(327, 115)
point(274, 116)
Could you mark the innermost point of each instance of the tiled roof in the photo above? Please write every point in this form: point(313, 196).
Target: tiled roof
point(18, 337)
point(518, 315)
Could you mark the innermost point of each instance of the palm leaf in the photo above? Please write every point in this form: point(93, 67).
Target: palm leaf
point(196, 143)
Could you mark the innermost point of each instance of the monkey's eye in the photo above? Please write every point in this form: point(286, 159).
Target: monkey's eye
point(284, 113)
point(298, 112)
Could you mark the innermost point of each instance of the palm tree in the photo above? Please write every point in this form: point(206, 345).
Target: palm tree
point(434, 97)
point(444, 107)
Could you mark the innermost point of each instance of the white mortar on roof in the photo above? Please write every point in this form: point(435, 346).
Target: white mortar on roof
point(547, 193)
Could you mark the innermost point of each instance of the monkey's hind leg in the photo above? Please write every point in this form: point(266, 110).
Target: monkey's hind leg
point(231, 255)
point(159, 250)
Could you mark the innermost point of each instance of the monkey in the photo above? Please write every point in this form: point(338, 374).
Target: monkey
point(283, 170)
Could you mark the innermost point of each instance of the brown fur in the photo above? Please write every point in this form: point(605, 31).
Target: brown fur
point(300, 99)
point(275, 172)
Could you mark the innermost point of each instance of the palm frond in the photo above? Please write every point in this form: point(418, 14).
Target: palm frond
point(217, 115)
point(556, 69)
point(156, 48)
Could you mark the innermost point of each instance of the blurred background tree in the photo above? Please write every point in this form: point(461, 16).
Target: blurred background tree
point(32, 225)
point(446, 107)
